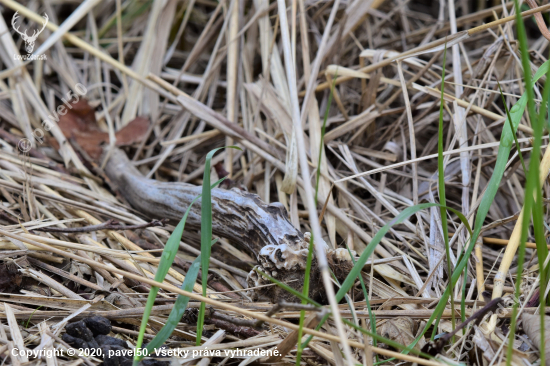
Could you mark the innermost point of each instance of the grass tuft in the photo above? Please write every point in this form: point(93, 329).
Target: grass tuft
point(166, 260)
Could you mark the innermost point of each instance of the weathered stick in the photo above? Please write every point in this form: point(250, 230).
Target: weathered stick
point(261, 229)
point(238, 216)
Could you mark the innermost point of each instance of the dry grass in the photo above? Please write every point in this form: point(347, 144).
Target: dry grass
point(268, 75)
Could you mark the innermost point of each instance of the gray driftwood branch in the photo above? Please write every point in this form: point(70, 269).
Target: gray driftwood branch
point(259, 228)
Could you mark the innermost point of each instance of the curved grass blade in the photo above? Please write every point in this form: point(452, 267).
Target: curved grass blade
point(538, 210)
point(179, 307)
point(406, 213)
point(533, 195)
point(372, 317)
point(506, 141)
point(509, 119)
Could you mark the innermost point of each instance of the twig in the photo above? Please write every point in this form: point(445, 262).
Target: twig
point(14, 140)
point(108, 225)
point(437, 347)
point(540, 20)
point(282, 305)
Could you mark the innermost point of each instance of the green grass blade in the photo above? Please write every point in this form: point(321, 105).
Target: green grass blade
point(533, 194)
point(26, 325)
point(384, 340)
point(463, 300)
point(307, 274)
point(506, 141)
point(206, 233)
point(509, 119)
point(538, 214)
point(168, 255)
point(372, 317)
point(441, 184)
point(538, 220)
point(403, 215)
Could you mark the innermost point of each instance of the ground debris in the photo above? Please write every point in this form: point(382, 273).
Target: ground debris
point(339, 110)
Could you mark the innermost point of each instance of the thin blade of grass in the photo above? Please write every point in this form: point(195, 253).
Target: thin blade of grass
point(372, 317)
point(350, 279)
point(538, 211)
point(441, 184)
point(509, 119)
point(206, 234)
point(506, 141)
point(533, 194)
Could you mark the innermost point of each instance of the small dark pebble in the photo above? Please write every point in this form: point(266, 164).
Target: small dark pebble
point(74, 341)
point(105, 340)
point(79, 330)
point(98, 325)
point(81, 335)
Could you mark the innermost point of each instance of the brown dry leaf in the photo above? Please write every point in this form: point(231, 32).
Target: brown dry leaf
point(133, 132)
point(531, 326)
point(401, 330)
point(79, 123)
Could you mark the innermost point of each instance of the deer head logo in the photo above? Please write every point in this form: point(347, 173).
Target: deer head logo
point(29, 40)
